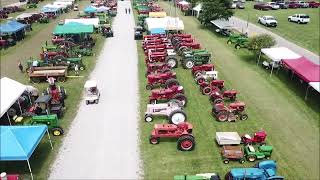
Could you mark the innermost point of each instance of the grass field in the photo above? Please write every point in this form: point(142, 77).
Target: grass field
point(275, 104)
point(305, 35)
point(43, 156)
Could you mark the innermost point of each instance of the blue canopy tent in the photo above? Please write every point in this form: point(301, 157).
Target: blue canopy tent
point(157, 31)
point(90, 9)
point(11, 27)
point(17, 143)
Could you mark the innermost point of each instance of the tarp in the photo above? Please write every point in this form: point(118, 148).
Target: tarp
point(73, 28)
point(10, 92)
point(278, 53)
point(222, 24)
point(157, 31)
point(198, 7)
point(19, 142)
point(304, 68)
point(90, 9)
point(86, 21)
point(11, 27)
point(103, 9)
point(315, 85)
point(157, 14)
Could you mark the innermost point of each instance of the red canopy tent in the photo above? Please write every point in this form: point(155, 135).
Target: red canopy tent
point(304, 68)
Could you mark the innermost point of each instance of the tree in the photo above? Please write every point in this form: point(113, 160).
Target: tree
point(256, 43)
point(215, 9)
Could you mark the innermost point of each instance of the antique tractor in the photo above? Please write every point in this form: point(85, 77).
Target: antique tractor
point(199, 69)
point(207, 87)
point(45, 106)
point(234, 153)
point(156, 68)
point(182, 132)
point(183, 47)
point(229, 113)
point(173, 92)
point(199, 57)
point(51, 121)
point(233, 38)
point(241, 42)
point(57, 40)
point(257, 153)
point(177, 37)
point(259, 137)
point(57, 93)
point(171, 110)
point(167, 79)
point(217, 96)
point(206, 76)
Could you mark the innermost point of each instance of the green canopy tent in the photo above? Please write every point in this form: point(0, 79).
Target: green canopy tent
point(73, 28)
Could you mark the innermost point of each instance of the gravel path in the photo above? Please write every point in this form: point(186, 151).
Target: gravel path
point(102, 142)
point(241, 26)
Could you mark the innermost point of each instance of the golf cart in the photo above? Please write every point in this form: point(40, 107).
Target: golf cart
point(92, 93)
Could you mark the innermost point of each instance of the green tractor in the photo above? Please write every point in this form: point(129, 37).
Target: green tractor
point(204, 176)
point(195, 57)
point(32, 5)
point(234, 37)
point(242, 42)
point(51, 121)
point(58, 61)
point(261, 152)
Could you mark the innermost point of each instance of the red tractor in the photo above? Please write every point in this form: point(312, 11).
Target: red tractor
point(199, 69)
point(177, 41)
point(206, 87)
point(57, 40)
point(156, 68)
point(162, 57)
point(57, 93)
point(167, 79)
point(179, 36)
point(216, 96)
point(229, 113)
point(182, 132)
point(174, 92)
point(182, 47)
point(259, 137)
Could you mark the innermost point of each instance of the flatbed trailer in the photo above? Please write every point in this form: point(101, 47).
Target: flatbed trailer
point(36, 74)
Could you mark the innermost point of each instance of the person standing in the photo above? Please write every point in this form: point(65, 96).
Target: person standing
point(76, 69)
point(126, 10)
point(20, 67)
point(129, 10)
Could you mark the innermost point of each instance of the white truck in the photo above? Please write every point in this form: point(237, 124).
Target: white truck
point(273, 5)
point(299, 18)
point(268, 21)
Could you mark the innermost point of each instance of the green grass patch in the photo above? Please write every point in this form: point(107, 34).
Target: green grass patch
point(275, 104)
point(304, 35)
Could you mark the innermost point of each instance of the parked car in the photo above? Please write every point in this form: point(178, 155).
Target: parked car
point(313, 4)
point(262, 6)
point(233, 6)
point(240, 5)
point(273, 5)
point(299, 18)
point(268, 21)
point(293, 4)
point(303, 4)
point(282, 5)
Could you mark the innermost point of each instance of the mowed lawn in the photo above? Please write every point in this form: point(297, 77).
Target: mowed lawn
point(43, 156)
point(304, 35)
point(272, 104)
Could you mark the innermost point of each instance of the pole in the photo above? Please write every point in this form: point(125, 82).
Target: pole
point(49, 139)
point(30, 169)
point(259, 58)
point(306, 96)
point(19, 106)
point(271, 69)
point(9, 119)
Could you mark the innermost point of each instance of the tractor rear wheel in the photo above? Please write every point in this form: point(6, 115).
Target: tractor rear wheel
point(172, 61)
point(217, 101)
point(196, 72)
point(186, 143)
point(206, 90)
point(182, 98)
point(171, 82)
point(148, 87)
point(57, 131)
point(96, 101)
point(200, 80)
point(242, 160)
point(222, 116)
point(188, 64)
point(87, 102)
point(154, 140)
point(226, 161)
point(177, 116)
point(229, 42)
point(243, 117)
point(148, 118)
point(251, 158)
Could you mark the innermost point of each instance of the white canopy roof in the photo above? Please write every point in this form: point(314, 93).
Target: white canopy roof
point(24, 15)
point(278, 53)
point(315, 85)
point(64, 3)
point(183, 3)
point(90, 83)
point(86, 21)
point(56, 6)
point(10, 92)
point(167, 23)
point(198, 7)
point(222, 24)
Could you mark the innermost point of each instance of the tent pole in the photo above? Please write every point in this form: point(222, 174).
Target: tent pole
point(19, 106)
point(259, 58)
point(49, 139)
point(30, 169)
point(271, 71)
point(306, 96)
point(9, 119)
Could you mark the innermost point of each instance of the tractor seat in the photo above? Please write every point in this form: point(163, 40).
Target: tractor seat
point(17, 119)
point(251, 148)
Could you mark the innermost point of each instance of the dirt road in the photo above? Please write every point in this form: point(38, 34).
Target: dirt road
point(102, 142)
point(241, 25)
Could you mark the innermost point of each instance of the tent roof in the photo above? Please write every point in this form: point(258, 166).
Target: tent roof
point(10, 92)
point(157, 14)
point(198, 7)
point(183, 3)
point(24, 15)
point(102, 9)
point(304, 68)
point(90, 9)
point(157, 31)
point(315, 85)
point(73, 28)
point(167, 23)
point(19, 142)
point(222, 24)
point(11, 27)
point(279, 53)
point(85, 21)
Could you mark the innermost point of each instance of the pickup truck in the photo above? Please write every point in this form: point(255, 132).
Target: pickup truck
point(268, 21)
point(273, 5)
point(299, 18)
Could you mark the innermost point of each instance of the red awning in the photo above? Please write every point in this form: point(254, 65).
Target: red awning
point(304, 68)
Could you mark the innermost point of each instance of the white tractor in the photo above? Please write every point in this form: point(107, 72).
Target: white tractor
point(206, 76)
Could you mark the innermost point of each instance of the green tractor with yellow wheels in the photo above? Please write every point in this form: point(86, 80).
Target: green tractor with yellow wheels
point(51, 121)
point(261, 152)
point(195, 57)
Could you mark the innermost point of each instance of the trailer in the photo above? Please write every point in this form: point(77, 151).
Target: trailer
point(228, 138)
point(36, 74)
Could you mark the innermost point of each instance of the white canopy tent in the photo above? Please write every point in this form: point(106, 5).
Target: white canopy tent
point(222, 24)
point(197, 9)
point(23, 16)
point(167, 23)
point(276, 54)
point(86, 21)
point(183, 3)
point(315, 85)
point(10, 92)
point(63, 3)
point(55, 6)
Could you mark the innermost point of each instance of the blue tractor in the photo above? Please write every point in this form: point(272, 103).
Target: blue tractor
point(264, 170)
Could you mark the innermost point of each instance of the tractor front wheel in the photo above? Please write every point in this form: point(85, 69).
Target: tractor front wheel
point(200, 80)
point(172, 62)
point(177, 116)
point(237, 46)
point(182, 98)
point(148, 118)
point(226, 161)
point(222, 116)
point(186, 143)
point(243, 117)
point(58, 131)
point(206, 90)
point(217, 101)
point(229, 42)
point(251, 158)
point(188, 64)
point(154, 140)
